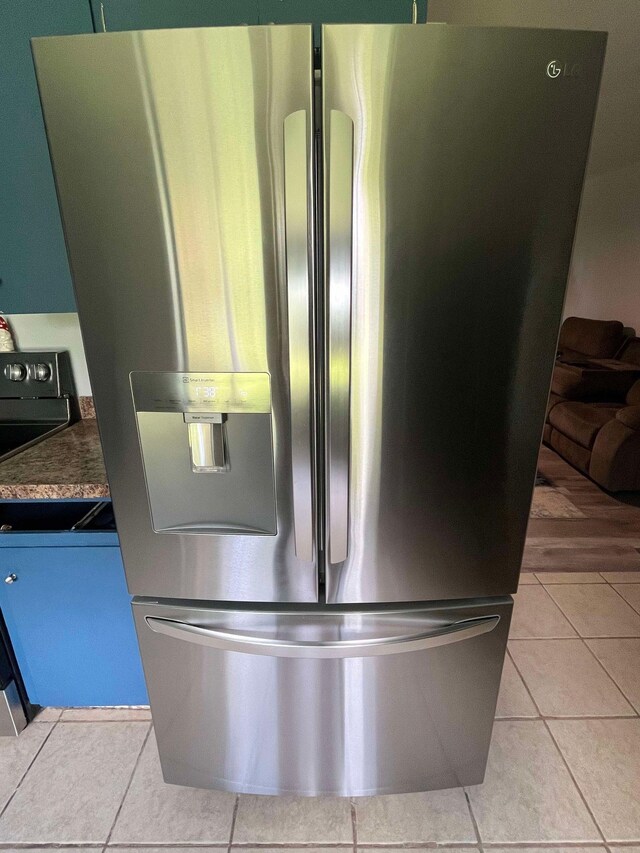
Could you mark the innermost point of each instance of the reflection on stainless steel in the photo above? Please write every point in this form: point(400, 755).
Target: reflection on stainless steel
point(267, 724)
point(468, 165)
point(208, 444)
point(449, 166)
point(168, 151)
point(339, 168)
point(12, 716)
point(298, 213)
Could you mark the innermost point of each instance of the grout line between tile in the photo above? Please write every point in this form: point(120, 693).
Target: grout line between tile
point(354, 824)
point(417, 845)
point(551, 598)
point(548, 845)
point(128, 785)
point(608, 674)
point(580, 637)
point(50, 845)
point(165, 845)
point(476, 828)
point(292, 845)
point(602, 667)
point(620, 595)
point(29, 766)
point(575, 782)
point(398, 845)
point(526, 686)
point(619, 686)
point(234, 815)
point(568, 717)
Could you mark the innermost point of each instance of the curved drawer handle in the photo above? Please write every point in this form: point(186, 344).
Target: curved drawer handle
point(230, 641)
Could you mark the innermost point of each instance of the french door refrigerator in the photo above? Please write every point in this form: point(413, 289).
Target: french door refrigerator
point(320, 308)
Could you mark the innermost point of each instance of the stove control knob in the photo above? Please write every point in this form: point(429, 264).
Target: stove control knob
point(41, 372)
point(15, 372)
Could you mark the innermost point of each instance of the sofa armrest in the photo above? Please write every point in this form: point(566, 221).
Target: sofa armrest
point(615, 457)
point(630, 417)
point(575, 382)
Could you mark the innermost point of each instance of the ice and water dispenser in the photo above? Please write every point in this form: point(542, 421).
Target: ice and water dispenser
point(207, 450)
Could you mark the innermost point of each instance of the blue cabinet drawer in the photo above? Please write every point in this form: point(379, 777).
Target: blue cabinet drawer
point(69, 617)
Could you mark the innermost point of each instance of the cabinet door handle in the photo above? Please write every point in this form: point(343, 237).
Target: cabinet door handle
point(11, 578)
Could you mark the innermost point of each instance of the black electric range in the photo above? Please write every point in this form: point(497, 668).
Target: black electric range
point(36, 400)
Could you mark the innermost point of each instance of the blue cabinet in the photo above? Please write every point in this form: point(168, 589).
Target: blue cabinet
point(69, 618)
point(34, 274)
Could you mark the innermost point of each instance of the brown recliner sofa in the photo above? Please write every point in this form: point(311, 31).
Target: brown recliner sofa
point(600, 439)
point(593, 416)
point(581, 339)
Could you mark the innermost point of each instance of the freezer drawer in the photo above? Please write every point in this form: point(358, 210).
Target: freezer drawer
point(323, 701)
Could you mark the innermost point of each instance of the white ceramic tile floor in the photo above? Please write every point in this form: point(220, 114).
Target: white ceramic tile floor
point(92, 779)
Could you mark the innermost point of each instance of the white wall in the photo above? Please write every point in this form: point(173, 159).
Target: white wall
point(53, 331)
point(604, 282)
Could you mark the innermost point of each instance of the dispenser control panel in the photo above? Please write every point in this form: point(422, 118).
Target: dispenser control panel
point(228, 393)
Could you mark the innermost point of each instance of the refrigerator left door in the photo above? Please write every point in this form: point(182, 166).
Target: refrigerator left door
point(183, 164)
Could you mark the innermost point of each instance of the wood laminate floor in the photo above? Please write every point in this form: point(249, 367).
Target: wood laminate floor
point(607, 539)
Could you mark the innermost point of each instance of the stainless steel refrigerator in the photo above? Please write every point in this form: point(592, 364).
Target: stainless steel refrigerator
point(320, 308)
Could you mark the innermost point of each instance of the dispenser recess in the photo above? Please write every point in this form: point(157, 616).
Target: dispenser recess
point(207, 451)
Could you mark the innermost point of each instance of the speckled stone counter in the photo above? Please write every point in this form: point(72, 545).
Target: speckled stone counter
point(67, 465)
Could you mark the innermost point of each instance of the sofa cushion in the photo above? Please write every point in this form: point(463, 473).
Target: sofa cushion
point(629, 416)
point(595, 338)
point(633, 395)
point(631, 352)
point(581, 422)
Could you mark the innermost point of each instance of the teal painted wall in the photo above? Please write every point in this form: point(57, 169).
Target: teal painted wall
point(158, 14)
point(33, 264)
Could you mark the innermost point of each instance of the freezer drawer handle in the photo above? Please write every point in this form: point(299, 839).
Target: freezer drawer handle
point(339, 252)
point(297, 176)
point(231, 641)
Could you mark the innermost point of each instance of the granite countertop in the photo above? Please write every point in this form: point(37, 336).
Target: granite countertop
point(69, 464)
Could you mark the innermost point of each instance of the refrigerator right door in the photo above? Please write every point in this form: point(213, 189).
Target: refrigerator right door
point(453, 167)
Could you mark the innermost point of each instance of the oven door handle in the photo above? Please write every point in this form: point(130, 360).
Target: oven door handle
point(253, 644)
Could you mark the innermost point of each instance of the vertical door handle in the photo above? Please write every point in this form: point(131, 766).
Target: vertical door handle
point(338, 241)
point(298, 229)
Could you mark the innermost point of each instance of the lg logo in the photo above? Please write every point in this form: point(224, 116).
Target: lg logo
point(567, 69)
point(554, 69)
